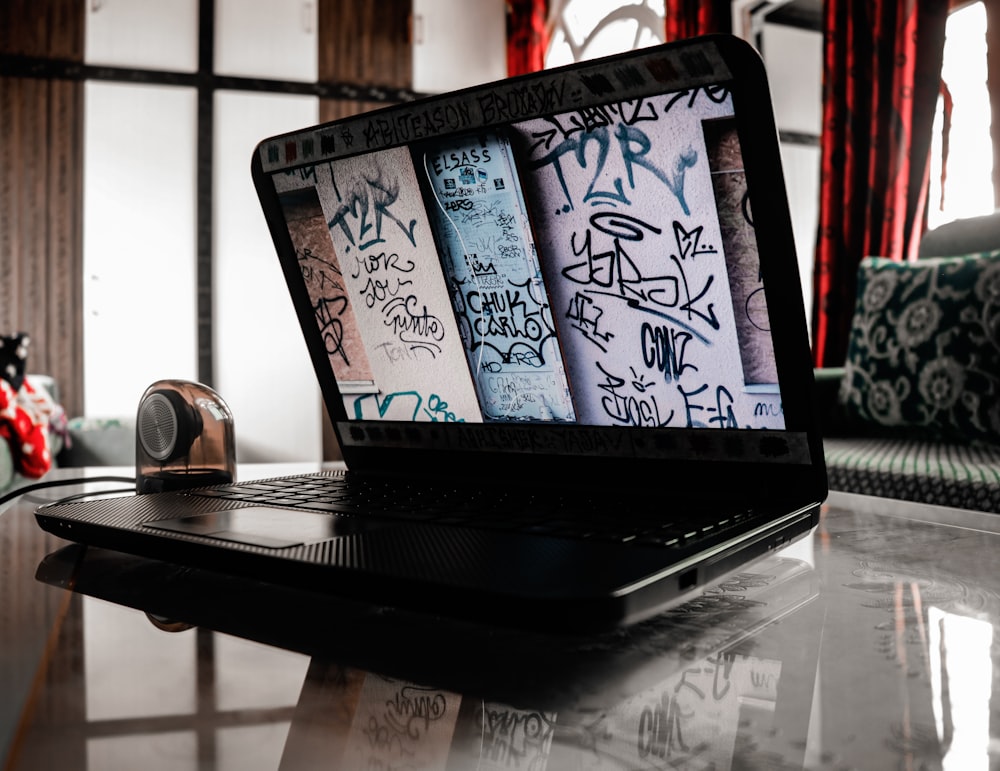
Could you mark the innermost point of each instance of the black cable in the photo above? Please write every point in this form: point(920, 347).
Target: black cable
point(11, 494)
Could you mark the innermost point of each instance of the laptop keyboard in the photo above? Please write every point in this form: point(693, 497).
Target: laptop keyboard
point(541, 512)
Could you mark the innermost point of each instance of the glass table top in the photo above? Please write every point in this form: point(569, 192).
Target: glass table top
point(870, 644)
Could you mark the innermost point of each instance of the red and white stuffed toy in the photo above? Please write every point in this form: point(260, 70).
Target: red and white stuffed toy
point(25, 414)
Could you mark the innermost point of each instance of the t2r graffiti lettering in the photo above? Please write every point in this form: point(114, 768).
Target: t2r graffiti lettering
point(633, 147)
point(365, 205)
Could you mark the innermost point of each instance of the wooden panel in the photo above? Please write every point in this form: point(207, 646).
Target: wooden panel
point(34, 175)
point(46, 28)
point(41, 193)
point(334, 109)
point(363, 43)
point(64, 323)
point(10, 235)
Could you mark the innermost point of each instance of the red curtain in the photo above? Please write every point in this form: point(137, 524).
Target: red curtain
point(527, 36)
point(882, 70)
point(688, 18)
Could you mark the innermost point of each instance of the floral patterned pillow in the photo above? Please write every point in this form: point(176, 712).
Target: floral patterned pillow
point(924, 351)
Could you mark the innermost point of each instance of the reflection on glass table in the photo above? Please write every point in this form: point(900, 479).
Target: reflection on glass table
point(872, 645)
point(695, 687)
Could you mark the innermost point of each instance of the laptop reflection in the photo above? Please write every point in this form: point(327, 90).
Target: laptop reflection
point(724, 681)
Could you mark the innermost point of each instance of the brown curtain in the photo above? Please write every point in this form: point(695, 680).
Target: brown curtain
point(688, 18)
point(527, 36)
point(363, 43)
point(882, 70)
point(41, 208)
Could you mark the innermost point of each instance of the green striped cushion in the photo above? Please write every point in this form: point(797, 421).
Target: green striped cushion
point(958, 475)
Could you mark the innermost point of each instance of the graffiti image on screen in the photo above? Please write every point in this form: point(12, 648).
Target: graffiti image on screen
point(627, 220)
point(488, 255)
point(742, 261)
point(327, 289)
point(378, 232)
point(596, 266)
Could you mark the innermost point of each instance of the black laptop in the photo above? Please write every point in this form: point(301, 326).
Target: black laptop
point(558, 326)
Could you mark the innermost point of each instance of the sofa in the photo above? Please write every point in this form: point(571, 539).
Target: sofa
point(914, 413)
point(99, 442)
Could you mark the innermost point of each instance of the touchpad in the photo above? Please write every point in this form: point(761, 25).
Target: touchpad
point(264, 526)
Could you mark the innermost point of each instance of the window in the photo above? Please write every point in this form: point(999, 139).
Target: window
point(968, 187)
point(587, 29)
point(145, 224)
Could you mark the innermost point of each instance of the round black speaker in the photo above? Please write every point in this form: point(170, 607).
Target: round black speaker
point(166, 425)
point(183, 438)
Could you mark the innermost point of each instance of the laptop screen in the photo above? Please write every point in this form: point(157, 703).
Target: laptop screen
point(574, 249)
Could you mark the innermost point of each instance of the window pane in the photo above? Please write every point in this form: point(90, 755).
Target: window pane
point(969, 188)
point(801, 168)
point(439, 63)
point(176, 751)
point(251, 748)
point(139, 242)
point(794, 60)
point(585, 29)
point(249, 675)
point(132, 669)
point(148, 34)
point(266, 38)
point(262, 368)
